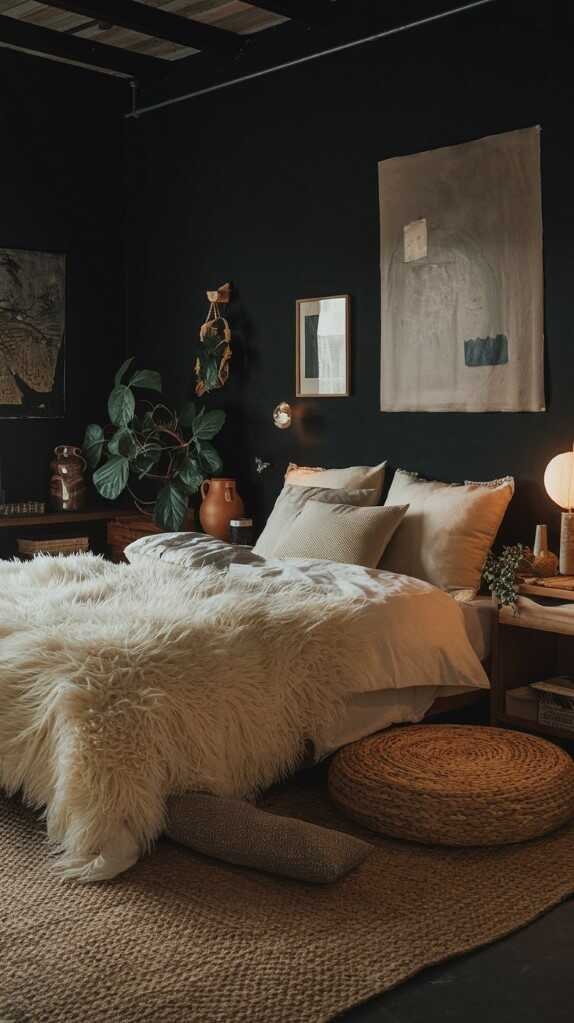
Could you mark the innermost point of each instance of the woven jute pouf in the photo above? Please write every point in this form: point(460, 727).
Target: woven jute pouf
point(454, 784)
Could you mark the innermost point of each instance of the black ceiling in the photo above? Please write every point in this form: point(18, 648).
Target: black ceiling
point(314, 26)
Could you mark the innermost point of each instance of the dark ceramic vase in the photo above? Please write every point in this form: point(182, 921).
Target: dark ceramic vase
point(68, 488)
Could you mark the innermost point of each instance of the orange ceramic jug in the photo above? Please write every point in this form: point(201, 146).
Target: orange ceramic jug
point(220, 504)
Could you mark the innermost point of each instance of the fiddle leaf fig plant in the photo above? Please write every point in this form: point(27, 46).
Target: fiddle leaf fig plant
point(147, 440)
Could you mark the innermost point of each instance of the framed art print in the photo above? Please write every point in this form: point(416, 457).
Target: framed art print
point(32, 334)
point(322, 347)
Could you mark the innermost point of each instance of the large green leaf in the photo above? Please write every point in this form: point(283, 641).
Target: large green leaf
point(147, 378)
point(209, 370)
point(170, 508)
point(148, 421)
point(120, 373)
point(146, 459)
point(209, 424)
point(121, 405)
point(123, 443)
point(210, 457)
point(93, 445)
point(111, 478)
point(188, 414)
point(191, 475)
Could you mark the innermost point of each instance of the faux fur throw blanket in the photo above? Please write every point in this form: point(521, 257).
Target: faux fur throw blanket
point(123, 684)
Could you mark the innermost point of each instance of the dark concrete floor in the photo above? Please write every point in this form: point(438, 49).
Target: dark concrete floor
point(527, 977)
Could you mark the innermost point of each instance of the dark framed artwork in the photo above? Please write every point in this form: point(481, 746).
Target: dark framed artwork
point(32, 334)
point(322, 352)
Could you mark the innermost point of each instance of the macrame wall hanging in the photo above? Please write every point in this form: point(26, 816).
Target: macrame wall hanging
point(212, 362)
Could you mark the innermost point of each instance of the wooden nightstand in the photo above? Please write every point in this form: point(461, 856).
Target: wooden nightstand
point(123, 531)
point(535, 644)
point(127, 528)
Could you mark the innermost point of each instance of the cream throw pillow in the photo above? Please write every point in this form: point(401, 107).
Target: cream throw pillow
point(353, 478)
point(447, 531)
point(290, 504)
point(339, 532)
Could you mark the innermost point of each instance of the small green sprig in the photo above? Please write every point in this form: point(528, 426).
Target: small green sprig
point(500, 574)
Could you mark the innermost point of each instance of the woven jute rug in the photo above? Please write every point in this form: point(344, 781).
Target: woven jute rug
point(182, 938)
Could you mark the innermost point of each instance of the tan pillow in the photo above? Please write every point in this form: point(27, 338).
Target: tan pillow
point(237, 832)
point(447, 531)
point(338, 532)
point(353, 478)
point(290, 504)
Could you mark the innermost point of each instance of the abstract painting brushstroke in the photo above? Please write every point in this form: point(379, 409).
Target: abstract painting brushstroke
point(486, 351)
point(462, 324)
point(32, 334)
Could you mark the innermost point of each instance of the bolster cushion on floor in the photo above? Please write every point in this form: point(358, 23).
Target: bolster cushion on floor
point(238, 832)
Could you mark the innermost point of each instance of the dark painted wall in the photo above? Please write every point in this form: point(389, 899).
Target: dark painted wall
point(273, 184)
point(61, 189)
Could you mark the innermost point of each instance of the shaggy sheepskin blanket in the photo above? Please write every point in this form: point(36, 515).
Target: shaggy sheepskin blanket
point(123, 684)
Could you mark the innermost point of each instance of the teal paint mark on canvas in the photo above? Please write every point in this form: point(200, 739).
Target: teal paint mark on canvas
point(486, 351)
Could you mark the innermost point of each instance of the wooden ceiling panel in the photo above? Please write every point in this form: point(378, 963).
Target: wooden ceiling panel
point(189, 26)
point(213, 37)
point(125, 39)
point(152, 21)
point(23, 35)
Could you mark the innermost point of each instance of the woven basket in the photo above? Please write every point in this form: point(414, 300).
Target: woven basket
point(454, 784)
point(63, 545)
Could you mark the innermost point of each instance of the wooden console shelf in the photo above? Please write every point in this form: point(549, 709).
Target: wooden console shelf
point(61, 518)
point(52, 525)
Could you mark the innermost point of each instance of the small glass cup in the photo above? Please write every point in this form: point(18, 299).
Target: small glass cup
point(241, 532)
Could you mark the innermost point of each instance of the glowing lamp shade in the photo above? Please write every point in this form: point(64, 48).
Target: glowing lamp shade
point(559, 480)
point(559, 483)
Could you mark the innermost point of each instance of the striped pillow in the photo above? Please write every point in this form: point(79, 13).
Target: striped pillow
point(339, 532)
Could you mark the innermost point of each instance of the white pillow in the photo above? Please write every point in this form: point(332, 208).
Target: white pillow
point(189, 550)
point(353, 478)
point(447, 531)
point(290, 504)
point(339, 532)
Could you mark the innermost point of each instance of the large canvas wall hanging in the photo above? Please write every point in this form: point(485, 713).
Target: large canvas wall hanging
point(461, 278)
point(32, 334)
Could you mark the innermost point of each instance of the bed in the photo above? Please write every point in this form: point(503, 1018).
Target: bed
point(371, 711)
point(123, 684)
point(204, 667)
point(366, 713)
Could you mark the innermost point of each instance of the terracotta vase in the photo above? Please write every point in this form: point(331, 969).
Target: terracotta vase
point(68, 488)
point(220, 503)
point(545, 563)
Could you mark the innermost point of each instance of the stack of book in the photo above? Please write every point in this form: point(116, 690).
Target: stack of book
point(550, 702)
point(23, 508)
point(556, 701)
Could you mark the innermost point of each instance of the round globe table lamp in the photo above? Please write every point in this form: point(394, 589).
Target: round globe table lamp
point(559, 484)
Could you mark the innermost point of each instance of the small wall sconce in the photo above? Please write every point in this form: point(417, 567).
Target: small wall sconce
point(282, 415)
